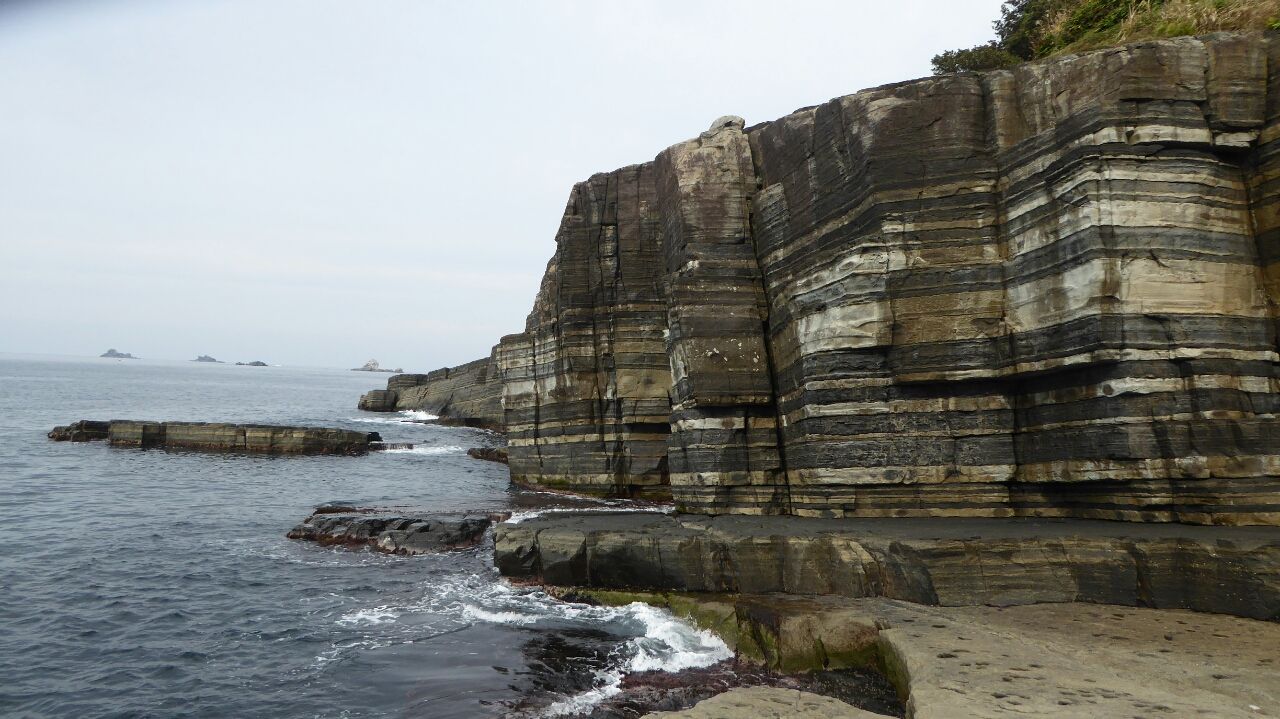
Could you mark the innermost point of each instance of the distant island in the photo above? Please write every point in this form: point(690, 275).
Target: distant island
point(112, 354)
point(373, 366)
point(255, 363)
point(207, 358)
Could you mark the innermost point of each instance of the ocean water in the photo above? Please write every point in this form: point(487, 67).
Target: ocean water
point(160, 584)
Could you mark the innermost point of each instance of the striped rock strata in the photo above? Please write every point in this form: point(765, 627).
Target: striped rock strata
point(220, 437)
point(1046, 291)
point(469, 394)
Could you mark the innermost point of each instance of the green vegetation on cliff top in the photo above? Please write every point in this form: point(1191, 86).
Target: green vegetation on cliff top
point(1033, 29)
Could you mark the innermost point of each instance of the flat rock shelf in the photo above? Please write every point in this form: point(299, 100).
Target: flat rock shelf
point(220, 437)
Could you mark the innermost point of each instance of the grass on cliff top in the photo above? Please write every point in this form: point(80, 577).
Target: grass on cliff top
point(1034, 29)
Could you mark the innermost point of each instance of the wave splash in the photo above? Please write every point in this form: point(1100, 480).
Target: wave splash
point(659, 642)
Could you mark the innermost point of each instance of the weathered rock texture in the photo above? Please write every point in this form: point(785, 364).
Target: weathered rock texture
point(212, 436)
point(393, 534)
point(469, 394)
point(1050, 660)
point(1045, 291)
point(958, 562)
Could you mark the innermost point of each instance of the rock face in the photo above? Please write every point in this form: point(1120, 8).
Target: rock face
point(213, 436)
point(1047, 291)
point(395, 535)
point(957, 562)
point(469, 394)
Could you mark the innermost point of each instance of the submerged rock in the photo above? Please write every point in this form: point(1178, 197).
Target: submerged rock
point(255, 363)
point(216, 436)
point(395, 535)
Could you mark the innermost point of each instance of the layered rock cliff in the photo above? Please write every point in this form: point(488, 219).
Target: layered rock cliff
point(1045, 291)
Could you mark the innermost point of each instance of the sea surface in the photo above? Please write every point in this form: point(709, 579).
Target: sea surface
point(160, 584)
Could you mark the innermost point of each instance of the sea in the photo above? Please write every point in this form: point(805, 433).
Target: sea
point(161, 584)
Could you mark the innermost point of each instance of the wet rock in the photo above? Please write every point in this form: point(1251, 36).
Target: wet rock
point(393, 534)
point(216, 436)
point(86, 430)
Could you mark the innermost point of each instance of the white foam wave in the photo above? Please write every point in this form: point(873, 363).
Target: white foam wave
point(449, 449)
point(417, 415)
point(409, 416)
point(373, 615)
point(664, 642)
point(518, 517)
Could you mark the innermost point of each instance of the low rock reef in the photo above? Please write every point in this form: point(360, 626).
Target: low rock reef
point(213, 436)
point(420, 534)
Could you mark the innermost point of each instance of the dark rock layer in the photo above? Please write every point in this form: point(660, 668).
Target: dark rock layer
point(213, 436)
point(1047, 291)
point(953, 562)
point(395, 535)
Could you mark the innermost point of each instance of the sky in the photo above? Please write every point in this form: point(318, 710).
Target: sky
point(321, 182)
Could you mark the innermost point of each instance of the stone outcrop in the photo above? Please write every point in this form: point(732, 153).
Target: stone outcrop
point(957, 562)
point(1051, 660)
point(1046, 291)
point(393, 534)
point(216, 436)
point(86, 430)
point(468, 395)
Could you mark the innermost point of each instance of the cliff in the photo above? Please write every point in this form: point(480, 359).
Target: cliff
point(1045, 291)
point(469, 394)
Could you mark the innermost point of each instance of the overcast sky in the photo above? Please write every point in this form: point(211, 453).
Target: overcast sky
point(319, 182)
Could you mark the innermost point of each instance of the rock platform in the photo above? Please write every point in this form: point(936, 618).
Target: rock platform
point(1049, 660)
point(947, 562)
point(419, 534)
point(214, 436)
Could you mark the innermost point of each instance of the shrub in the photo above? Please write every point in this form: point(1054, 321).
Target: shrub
point(982, 57)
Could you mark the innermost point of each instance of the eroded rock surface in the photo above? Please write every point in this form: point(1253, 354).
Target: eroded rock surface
point(768, 703)
point(220, 437)
point(1047, 660)
point(393, 534)
point(954, 562)
point(1046, 291)
point(468, 395)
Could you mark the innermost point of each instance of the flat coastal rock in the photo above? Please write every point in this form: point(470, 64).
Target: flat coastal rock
point(425, 534)
point(768, 703)
point(220, 437)
point(1049, 291)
